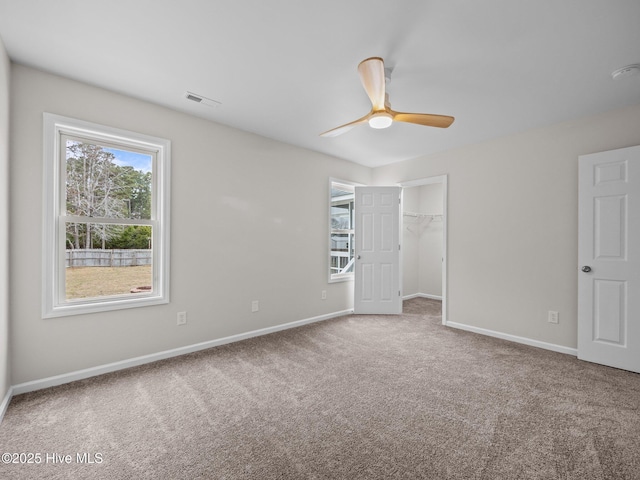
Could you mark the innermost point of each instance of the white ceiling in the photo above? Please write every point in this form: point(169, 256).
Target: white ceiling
point(286, 69)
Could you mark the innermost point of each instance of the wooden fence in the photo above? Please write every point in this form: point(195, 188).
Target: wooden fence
point(107, 258)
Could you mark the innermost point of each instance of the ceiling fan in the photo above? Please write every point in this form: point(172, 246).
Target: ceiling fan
point(373, 80)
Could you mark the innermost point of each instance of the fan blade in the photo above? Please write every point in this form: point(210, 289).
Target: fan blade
point(426, 119)
point(371, 73)
point(334, 132)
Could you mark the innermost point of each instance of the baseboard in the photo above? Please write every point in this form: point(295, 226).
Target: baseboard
point(5, 403)
point(422, 295)
point(154, 357)
point(515, 338)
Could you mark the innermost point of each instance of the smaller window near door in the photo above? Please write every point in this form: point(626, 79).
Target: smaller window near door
point(341, 230)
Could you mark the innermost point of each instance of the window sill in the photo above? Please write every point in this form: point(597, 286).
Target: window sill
point(346, 277)
point(104, 305)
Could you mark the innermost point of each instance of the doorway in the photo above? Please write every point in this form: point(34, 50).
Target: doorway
point(424, 229)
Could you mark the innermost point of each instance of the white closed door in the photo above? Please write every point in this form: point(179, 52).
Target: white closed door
point(377, 250)
point(609, 258)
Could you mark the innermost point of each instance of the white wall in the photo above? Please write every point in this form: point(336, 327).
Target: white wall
point(430, 240)
point(422, 241)
point(5, 374)
point(512, 222)
point(249, 222)
point(410, 237)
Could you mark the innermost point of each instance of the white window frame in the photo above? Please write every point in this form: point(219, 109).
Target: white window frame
point(54, 303)
point(337, 277)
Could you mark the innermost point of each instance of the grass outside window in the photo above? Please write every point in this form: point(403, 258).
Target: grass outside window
point(92, 282)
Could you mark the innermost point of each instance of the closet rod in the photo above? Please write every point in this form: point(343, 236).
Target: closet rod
point(413, 214)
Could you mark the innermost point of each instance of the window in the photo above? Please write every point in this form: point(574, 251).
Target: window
point(106, 218)
point(341, 230)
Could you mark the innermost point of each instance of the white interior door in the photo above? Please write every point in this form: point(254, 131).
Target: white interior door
point(377, 250)
point(609, 256)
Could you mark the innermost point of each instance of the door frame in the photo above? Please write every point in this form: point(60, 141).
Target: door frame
point(444, 180)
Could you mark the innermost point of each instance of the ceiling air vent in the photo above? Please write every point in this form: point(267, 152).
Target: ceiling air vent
point(201, 99)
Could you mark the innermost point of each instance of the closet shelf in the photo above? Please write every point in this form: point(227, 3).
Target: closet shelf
point(422, 215)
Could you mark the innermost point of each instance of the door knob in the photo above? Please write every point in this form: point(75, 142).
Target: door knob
point(586, 269)
point(358, 257)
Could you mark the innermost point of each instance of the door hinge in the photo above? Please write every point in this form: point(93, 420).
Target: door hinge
point(399, 246)
point(398, 292)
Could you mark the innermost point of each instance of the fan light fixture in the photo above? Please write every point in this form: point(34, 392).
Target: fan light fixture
point(374, 78)
point(381, 120)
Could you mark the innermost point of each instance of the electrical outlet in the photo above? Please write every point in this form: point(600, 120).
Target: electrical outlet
point(182, 318)
point(323, 295)
point(553, 317)
point(255, 306)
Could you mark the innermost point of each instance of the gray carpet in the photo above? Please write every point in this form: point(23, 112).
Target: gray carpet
point(358, 397)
